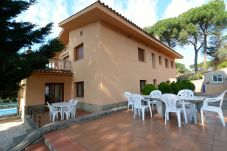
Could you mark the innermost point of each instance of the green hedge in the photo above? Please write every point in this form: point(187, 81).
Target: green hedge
point(148, 88)
point(165, 87)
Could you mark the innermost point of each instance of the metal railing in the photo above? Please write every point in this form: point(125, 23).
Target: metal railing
point(57, 64)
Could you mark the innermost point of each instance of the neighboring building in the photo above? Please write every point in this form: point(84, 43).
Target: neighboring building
point(215, 81)
point(109, 55)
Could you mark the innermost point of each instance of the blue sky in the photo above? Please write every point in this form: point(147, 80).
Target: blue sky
point(141, 12)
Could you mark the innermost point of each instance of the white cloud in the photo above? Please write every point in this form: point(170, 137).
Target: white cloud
point(44, 12)
point(142, 13)
point(176, 7)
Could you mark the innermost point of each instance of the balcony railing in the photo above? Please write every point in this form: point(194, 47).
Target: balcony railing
point(56, 64)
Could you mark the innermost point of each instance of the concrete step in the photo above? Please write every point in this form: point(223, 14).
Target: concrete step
point(57, 141)
point(37, 147)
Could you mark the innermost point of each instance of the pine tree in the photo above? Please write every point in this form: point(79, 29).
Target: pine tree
point(16, 36)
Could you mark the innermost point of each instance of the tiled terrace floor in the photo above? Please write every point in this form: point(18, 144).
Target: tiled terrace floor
point(121, 132)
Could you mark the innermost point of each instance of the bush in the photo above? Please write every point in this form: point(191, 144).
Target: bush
point(165, 87)
point(175, 87)
point(186, 84)
point(222, 65)
point(196, 76)
point(148, 88)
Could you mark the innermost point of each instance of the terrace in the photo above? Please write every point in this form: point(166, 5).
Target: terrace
point(120, 131)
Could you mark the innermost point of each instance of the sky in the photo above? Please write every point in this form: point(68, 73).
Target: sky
point(141, 12)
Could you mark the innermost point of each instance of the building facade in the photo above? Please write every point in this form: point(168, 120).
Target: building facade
point(108, 55)
point(215, 81)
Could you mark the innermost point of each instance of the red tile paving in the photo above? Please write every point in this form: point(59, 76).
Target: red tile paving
point(121, 132)
point(61, 142)
point(37, 147)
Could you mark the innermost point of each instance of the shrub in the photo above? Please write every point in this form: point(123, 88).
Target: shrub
point(196, 76)
point(186, 84)
point(222, 65)
point(165, 87)
point(148, 88)
point(175, 87)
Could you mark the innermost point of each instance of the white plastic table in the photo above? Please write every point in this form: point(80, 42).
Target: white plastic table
point(61, 105)
point(160, 106)
point(194, 100)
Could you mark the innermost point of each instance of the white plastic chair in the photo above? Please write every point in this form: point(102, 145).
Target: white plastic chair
point(53, 111)
point(128, 95)
point(139, 107)
point(71, 101)
point(186, 94)
point(155, 94)
point(70, 110)
point(216, 109)
point(170, 101)
point(75, 102)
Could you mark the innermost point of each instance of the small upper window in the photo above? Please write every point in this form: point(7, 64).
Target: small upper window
point(153, 60)
point(217, 78)
point(79, 52)
point(160, 60)
point(172, 66)
point(141, 55)
point(166, 63)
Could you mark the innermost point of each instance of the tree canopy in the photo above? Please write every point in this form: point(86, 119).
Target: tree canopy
point(166, 30)
point(181, 68)
point(200, 27)
point(15, 36)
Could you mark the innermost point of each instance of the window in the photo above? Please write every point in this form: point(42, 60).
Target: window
point(142, 84)
point(166, 63)
point(54, 92)
point(153, 60)
point(160, 60)
point(141, 55)
point(81, 32)
point(79, 52)
point(79, 89)
point(217, 78)
point(155, 81)
point(172, 64)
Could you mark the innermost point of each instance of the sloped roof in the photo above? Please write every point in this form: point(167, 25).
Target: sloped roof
point(100, 11)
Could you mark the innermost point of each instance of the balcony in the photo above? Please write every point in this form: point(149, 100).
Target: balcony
point(57, 64)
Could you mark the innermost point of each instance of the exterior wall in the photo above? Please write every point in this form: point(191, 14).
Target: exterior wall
point(211, 87)
point(119, 68)
point(35, 85)
point(86, 69)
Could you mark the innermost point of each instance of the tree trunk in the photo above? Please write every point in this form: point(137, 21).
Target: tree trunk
point(205, 50)
point(195, 60)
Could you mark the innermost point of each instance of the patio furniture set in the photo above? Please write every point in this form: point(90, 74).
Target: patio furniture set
point(171, 103)
point(63, 108)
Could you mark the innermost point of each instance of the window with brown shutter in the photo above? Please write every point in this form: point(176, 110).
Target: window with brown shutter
point(172, 66)
point(79, 52)
point(141, 55)
point(166, 63)
point(160, 60)
point(153, 60)
point(142, 85)
point(79, 86)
